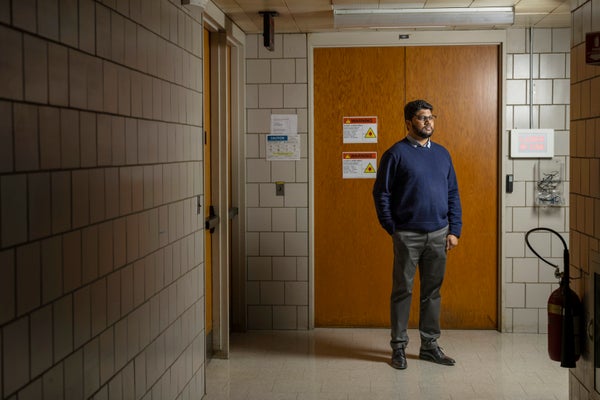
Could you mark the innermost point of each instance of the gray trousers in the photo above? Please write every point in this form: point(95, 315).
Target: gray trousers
point(428, 251)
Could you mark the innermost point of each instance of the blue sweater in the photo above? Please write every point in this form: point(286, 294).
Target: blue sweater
point(416, 189)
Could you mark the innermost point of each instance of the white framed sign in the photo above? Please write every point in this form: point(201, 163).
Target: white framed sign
point(359, 164)
point(532, 143)
point(360, 129)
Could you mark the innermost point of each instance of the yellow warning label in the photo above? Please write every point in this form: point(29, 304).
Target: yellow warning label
point(370, 133)
point(369, 169)
point(554, 309)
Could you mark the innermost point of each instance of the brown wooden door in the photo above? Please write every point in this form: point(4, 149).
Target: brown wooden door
point(353, 255)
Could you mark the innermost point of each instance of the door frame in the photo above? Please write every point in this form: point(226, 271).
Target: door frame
point(415, 38)
point(228, 175)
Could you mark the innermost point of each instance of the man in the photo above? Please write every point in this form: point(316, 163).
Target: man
point(417, 203)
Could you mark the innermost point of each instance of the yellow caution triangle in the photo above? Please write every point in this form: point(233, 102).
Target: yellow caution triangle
point(370, 134)
point(369, 169)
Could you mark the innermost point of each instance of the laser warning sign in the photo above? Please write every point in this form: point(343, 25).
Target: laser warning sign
point(360, 129)
point(359, 165)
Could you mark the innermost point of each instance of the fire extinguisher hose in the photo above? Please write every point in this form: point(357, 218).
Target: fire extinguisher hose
point(568, 351)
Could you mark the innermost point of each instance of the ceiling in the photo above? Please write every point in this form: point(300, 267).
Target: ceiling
point(304, 16)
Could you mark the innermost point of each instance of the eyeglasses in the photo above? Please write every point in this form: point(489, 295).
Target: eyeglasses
point(424, 118)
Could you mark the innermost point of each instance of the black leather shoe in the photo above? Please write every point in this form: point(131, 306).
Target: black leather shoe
point(399, 359)
point(436, 355)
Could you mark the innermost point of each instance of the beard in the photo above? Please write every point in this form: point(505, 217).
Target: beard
point(424, 132)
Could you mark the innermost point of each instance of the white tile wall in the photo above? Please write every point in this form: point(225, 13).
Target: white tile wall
point(258, 121)
point(302, 265)
point(259, 269)
point(283, 71)
point(301, 71)
point(276, 225)
point(520, 67)
point(252, 293)
point(272, 244)
point(516, 91)
point(296, 293)
point(561, 91)
point(296, 244)
point(284, 317)
point(259, 219)
point(527, 281)
point(553, 65)
point(515, 295)
point(537, 295)
point(268, 196)
point(271, 292)
point(554, 117)
point(284, 219)
point(97, 154)
point(296, 195)
point(284, 268)
point(283, 171)
point(522, 318)
point(525, 270)
point(260, 317)
point(524, 218)
point(542, 91)
point(295, 95)
point(542, 41)
point(270, 96)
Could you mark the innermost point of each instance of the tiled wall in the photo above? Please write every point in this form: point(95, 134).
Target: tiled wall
point(277, 279)
point(277, 226)
point(585, 177)
point(528, 281)
point(101, 252)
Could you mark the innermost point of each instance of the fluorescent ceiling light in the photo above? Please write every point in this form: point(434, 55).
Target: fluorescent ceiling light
point(411, 17)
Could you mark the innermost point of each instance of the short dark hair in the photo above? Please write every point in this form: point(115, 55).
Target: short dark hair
point(411, 108)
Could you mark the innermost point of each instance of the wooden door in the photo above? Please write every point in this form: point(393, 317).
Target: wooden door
point(353, 254)
point(352, 268)
point(462, 82)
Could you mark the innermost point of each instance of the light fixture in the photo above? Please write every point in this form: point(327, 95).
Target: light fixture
point(417, 17)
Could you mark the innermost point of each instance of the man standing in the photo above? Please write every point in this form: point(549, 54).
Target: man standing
point(417, 203)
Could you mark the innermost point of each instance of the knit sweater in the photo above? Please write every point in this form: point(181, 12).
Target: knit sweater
point(416, 189)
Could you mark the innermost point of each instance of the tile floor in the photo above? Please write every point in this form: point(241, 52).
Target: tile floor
point(352, 364)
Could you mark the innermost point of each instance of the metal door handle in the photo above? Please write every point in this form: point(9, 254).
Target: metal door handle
point(212, 221)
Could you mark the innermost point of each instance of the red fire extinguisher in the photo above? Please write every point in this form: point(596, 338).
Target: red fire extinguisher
point(564, 312)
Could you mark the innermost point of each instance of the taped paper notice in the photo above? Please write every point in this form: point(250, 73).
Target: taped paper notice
point(283, 147)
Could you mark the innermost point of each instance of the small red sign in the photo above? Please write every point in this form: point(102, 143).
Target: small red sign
point(360, 120)
point(361, 155)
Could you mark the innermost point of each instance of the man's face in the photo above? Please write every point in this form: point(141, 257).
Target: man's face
point(420, 126)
